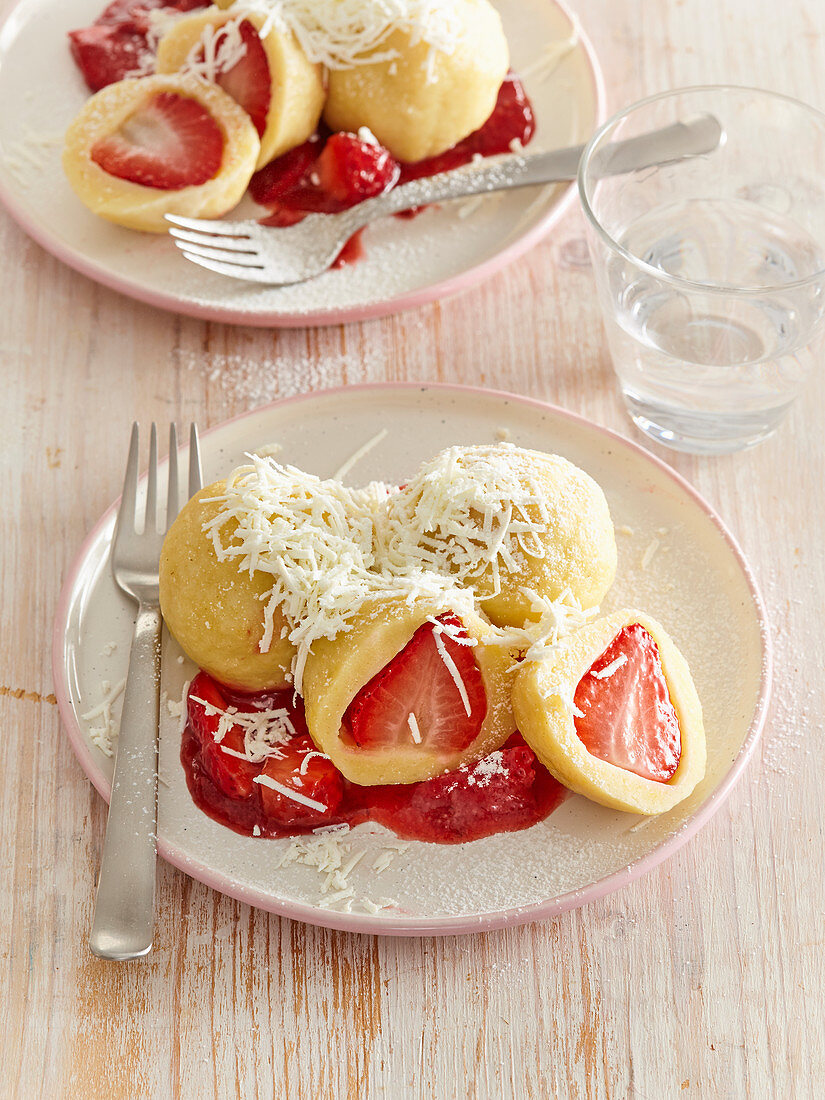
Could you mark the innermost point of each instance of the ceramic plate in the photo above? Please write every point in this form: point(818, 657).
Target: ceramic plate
point(407, 263)
point(676, 560)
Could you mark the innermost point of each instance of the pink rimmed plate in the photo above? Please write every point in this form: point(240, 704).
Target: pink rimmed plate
point(676, 560)
point(408, 263)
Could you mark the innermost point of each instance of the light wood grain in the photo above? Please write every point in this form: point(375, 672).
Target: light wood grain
point(704, 979)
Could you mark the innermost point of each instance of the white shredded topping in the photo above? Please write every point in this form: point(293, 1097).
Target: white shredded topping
point(342, 34)
point(354, 459)
point(316, 539)
point(330, 851)
point(307, 757)
point(451, 667)
point(647, 557)
point(288, 792)
point(412, 722)
point(611, 668)
point(106, 728)
point(218, 50)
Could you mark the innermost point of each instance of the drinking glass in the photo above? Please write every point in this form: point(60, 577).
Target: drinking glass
point(711, 270)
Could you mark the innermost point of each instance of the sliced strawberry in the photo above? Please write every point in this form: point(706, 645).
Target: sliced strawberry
point(248, 80)
point(233, 776)
point(308, 797)
point(170, 142)
point(628, 718)
point(418, 682)
point(351, 170)
point(115, 45)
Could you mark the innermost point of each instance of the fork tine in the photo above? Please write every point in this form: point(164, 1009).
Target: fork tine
point(216, 229)
point(151, 521)
point(195, 475)
point(126, 511)
point(255, 274)
point(246, 258)
point(172, 492)
point(229, 244)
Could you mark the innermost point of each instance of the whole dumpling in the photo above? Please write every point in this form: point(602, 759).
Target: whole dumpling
point(424, 100)
point(545, 520)
point(213, 609)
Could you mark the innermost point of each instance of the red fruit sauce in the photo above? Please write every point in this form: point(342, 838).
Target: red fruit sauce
point(332, 172)
point(506, 791)
point(116, 45)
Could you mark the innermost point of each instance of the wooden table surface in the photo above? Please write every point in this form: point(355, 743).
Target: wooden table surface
point(705, 978)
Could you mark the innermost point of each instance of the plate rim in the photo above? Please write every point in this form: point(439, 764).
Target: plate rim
point(450, 925)
point(445, 288)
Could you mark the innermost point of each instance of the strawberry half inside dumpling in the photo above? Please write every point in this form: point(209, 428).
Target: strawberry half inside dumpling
point(248, 79)
point(623, 713)
point(431, 693)
point(171, 141)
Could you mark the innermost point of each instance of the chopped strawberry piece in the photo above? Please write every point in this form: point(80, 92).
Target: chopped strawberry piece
point(627, 717)
point(115, 46)
point(512, 121)
point(505, 791)
point(106, 54)
point(296, 791)
point(417, 694)
point(170, 142)
point(351, 170)
point(233, 776)
point(281, 176)
point(248, 80)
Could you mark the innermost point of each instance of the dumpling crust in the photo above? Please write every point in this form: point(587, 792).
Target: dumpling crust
point(423, 102)
point(214, 610)
point(541, 701)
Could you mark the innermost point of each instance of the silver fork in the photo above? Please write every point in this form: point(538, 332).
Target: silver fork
point(280, 256)
point(124, 909)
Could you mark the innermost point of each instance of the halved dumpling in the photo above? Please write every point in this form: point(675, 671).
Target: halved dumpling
point(423, 100)
point(614, 715)
point(545, 520)
point(215, 611)
point(399, 698)
point(157, 145)
point(270, 77)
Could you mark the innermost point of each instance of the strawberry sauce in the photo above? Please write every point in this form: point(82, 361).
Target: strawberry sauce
point(332, 172)
point(506, 791)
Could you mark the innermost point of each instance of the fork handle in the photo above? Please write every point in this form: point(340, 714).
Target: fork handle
point(671, 143)
point(124, 909)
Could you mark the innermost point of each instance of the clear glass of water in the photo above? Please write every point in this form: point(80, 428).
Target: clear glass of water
point(711, 270)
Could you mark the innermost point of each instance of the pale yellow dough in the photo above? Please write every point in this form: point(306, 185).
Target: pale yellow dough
point(215, 610)
point(578, 546)
point(296, 86)
point(336, 671)
point(424, 102)
point(542, 700)
point(132, 204)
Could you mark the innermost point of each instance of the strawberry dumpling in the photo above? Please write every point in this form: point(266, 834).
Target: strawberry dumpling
point(409, 692)
point(428, 83)
point(157, 145)
point(270, 76)
point(614, 715)
point(512, 524)
point(213, 608)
